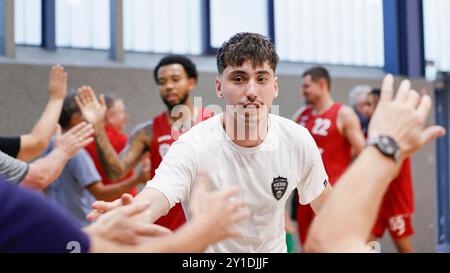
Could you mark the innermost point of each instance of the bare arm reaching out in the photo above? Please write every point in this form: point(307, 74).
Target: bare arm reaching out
point(34, 143)
point(46, 170)
point(212, 215)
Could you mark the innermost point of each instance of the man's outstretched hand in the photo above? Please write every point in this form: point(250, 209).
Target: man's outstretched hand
point(403, 117)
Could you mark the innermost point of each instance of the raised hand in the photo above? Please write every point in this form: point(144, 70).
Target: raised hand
point(403, 118)
point(93, 110)
point(73, 140)
point(57, 86)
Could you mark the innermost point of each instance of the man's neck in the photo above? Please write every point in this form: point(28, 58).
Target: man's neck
point(245, 134)
point(112, 127)
point(323, 104)
point(192, 110)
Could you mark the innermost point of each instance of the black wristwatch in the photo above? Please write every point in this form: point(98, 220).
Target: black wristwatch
point(386, 145)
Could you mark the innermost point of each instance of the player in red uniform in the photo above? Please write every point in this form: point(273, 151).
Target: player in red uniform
point(177, 78)
point(397, 206)
point(334, 127)
point(116, 119)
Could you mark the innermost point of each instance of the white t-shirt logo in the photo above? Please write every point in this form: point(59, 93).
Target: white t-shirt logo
point(321, 127)
point(279, 187)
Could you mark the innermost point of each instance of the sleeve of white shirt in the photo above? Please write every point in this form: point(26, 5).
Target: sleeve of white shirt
point(313, 177)
point(175, 174)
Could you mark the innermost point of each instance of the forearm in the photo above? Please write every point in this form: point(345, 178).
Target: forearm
point(352, 218)
point(34, 143)
point(111, 163)
point(188, 238)
point(159, 205)
point(191, 237)
point(46, 170)
point(46, 125)
point(115, 191)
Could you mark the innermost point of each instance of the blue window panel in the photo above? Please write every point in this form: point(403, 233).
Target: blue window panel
point(442, 99)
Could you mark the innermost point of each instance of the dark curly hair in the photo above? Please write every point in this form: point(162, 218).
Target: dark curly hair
point(69, 108)
point(187, 64)
point(247, 46)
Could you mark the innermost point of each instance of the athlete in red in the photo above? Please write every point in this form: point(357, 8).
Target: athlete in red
point(116, 119)
point(334, 127)
point(163, 137)
point(176, 77)
point(397, 206)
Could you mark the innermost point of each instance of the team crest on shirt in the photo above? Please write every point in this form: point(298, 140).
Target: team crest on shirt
point(279, 187)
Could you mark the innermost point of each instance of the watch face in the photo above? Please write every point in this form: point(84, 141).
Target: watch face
point(387, 145)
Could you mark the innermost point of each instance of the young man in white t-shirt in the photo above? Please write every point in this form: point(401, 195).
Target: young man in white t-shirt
point(266, 156)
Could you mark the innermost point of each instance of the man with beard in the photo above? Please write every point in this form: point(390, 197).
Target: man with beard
point(176, 77)
point(334, 127)
point(115, 122)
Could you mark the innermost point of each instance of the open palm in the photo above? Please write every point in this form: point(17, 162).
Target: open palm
point(93, 111)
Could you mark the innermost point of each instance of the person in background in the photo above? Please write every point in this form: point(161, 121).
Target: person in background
point(115, 122)
point(357, 98)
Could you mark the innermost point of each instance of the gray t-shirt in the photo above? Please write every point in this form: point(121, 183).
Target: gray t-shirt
point(11, 169)
point(69, 190)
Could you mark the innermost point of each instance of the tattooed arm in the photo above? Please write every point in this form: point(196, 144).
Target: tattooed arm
point(117, 166)
point(94, 112)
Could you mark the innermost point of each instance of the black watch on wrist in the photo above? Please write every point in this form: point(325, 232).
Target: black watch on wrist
point(386, 145)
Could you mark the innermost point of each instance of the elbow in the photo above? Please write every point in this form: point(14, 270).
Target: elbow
point(115, 174)
point(323, 241)
point(318, 240)
point(36, 151)
point(313, 245)
point(41, 145)
point(40, 141)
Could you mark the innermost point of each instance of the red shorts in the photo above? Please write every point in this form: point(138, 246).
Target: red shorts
point(399, 227)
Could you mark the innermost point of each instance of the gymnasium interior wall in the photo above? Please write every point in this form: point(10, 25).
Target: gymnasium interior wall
point(23, 91)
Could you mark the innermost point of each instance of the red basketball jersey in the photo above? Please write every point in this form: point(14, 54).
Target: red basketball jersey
point(118, 141)
point(160, 144)
point(334, 147)
point(399, 197)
